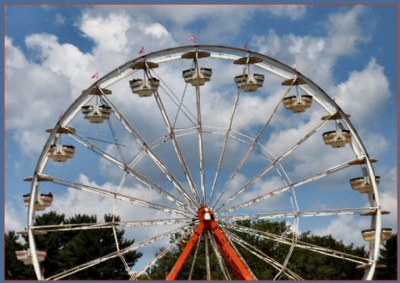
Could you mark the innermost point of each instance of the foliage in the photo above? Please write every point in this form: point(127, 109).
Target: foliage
point(70, 249)
point(15, 269)
point(307, 264)
point(388, 257)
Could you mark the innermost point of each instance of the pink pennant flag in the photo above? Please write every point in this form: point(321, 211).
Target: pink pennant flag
point(141, 51)
point(246, 46)
point(192, 39)
point(95, 75)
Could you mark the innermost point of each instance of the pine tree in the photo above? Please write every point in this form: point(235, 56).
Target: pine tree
point(70, 249)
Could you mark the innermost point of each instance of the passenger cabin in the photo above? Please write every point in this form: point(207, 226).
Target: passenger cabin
point(145, 87)
point(43, 201)
point(338, 138)
point(96, 113)
point(26, 257)
point(248, 82)
point(197, 77)
point(298, 104)
point(369, 235)
point(363, 184)
point(60, 153)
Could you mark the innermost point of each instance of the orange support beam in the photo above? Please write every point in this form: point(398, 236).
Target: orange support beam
point(185, 253)
point(235, 261)
point(207, 222)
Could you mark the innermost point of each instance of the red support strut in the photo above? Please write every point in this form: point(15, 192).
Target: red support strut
point(207, 222)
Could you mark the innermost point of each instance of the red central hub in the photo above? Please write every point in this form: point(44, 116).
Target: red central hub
point(207, 222)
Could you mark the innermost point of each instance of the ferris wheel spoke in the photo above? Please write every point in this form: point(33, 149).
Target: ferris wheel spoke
point(207, 255)
point(252, 145)
point(200, 132)
point(227, 134)
point(272, 164)
point(121, 257)
point(261, 255)
point(118, 196)
point(147, 148)
point(93, 147)
point(110, 225)
point(218, 255)
point(177, 148)
point(290, 186)
point(293, 214)
point(115, 139)
point(112, 255)
point(159, 256)
point(297, 244)
point(178, 102)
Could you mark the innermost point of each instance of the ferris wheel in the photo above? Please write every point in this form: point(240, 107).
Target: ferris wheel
point(195, 140)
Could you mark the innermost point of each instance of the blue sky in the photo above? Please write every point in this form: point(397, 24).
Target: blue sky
point(52, 51)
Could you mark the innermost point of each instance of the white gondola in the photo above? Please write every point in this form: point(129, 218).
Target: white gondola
point(96, 113)
point(369, 235)
point(298, 104)
point(197, 77)
point(338, 138)
point(144, 88)
point(43, 201)
point(363, 184)
point(249, 82)
point(26, 257)
point(60, 153)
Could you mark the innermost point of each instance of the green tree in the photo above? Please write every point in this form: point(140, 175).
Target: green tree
point(14, 269)
point(307, 264)
point(388, 257)
point(69, 249)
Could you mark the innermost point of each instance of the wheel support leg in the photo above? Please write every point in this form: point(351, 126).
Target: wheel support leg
point(236, 263)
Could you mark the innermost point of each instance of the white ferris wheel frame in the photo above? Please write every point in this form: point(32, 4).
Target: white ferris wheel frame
point(218, 52)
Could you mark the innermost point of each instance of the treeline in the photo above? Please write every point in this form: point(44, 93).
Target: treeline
point(70, 249)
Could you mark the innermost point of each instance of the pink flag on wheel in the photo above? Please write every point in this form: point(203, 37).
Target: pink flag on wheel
point(192, 39)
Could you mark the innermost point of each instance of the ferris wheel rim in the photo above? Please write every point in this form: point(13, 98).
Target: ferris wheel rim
point(170, 54)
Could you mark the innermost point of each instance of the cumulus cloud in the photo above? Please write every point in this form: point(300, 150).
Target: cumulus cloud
point(344, 33)
point(60, 71)
point(109, 33)
point(340, 227)
point(365, 92)
point(292, 12)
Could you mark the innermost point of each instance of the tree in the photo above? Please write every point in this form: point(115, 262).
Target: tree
point(318, 266)
point(15, 269)
point(388, 257)
point(69, 249)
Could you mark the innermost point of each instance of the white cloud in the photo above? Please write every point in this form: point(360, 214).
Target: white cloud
point(63, 70)
point(288, 11)
point(156, 30)
point(109, 34)
point(59, 20)
point(344, 33)
point(340, 227)
point(13, 220)
point(365, 94)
